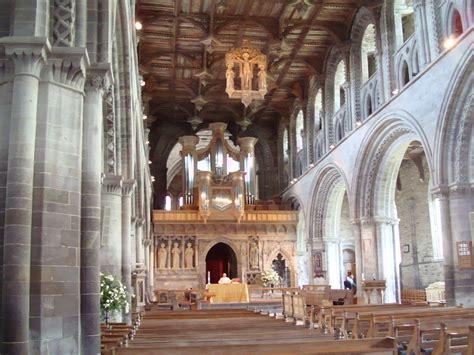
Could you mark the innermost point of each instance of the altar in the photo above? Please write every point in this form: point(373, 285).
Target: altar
point(229, 293)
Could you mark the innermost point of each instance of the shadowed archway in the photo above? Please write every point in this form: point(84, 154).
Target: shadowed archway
point(221, 259)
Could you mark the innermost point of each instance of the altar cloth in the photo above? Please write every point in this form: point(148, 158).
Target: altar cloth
point(229, 293)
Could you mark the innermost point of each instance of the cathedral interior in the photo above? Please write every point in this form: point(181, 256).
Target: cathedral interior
point(166, 142)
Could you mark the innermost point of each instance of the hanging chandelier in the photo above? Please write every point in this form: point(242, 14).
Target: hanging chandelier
point(248, 60)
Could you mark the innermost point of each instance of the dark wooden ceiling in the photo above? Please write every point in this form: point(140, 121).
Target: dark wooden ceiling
point(296, 43)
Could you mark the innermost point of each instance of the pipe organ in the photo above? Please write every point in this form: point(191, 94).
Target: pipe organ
point(223, 190)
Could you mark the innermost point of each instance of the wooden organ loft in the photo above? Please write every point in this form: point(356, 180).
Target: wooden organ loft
point(221, 212)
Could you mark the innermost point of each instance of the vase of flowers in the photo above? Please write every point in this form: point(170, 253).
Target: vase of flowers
point(269, 278)
point(113, 296)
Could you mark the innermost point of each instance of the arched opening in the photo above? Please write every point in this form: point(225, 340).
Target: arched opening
point(367, 49)
point(221, 259)
point(285, 145)
point(318, 106)
point(338, 236)
point(421, 247)
point(339, 80)
point(405, 74)
point(279, 264)
point(404, 21)
point(299, 130)
point(408, 241)
point(369, 105)
point(168, 203)
point(457, 28)
point(302, 252)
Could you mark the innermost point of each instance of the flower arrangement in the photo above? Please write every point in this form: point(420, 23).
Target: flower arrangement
point(113, 295)
point(269, 277)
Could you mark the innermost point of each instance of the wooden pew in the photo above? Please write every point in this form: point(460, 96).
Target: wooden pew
point(464, 335)
point(366, 321)
point(358, 346)
point(341, 318)
point(423, 334)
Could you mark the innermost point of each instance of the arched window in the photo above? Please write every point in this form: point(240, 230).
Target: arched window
point(339, 80)
point(404, 21)
point(285, 145)
point(318, 106)
point(369, 106)
point(299, 127)
point(168, 203)
point(457, 28)
point(368, 48)
point(405, 74)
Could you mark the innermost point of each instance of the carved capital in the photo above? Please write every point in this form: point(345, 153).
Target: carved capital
point(6, 71)
point(112, 184)
point(28, 54)
point(386, 220)
point(99, 77)
point(128, 186)
point(67, 66)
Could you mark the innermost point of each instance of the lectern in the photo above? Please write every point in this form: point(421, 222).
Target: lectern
point(374, 286)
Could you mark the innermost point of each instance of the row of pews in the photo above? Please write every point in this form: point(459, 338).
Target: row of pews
point(415, 328)
point(304, 323)
point(117, 334)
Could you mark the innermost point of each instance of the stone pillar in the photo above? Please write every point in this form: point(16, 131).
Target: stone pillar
point(333, 257)
point(359, 259)
point(111, 245)
point(127, 189)
point(151, 270)
point(369, 246)
point(146, 246)
point(442, 194)
point(28, 58)
point(388, 249)
point(461, 203)
point(98, 79)
point(189, 165)
point(421, 31)
point(139, 240)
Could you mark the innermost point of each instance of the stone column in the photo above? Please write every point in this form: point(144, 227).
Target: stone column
point(389, 257)
point(127, 189)
point(369, 246)
point(421, 31)
point(146, 246)
point(333, 257)
point(28, 58)
point(98, 79)
point(139, 240)
point(359, 259)
point(111, 245)
point(442, 194)
point(461, 203)
point(151, 270)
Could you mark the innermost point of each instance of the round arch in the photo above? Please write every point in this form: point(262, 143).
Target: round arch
point(203, 252)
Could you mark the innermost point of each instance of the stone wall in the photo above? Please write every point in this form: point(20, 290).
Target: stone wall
point(418, 267)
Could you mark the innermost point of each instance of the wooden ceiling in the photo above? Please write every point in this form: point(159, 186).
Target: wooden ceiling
point(295, 40)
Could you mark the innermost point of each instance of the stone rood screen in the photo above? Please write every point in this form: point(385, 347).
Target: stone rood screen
point(222, 191)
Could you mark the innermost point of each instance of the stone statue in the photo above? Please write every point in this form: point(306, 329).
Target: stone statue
point(175, 256)
point(230, 77)
point(262, 77)
point(162, 254)
point(188, 256)
point(253, 255)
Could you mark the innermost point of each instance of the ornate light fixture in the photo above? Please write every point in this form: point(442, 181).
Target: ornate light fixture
point(246, 59)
